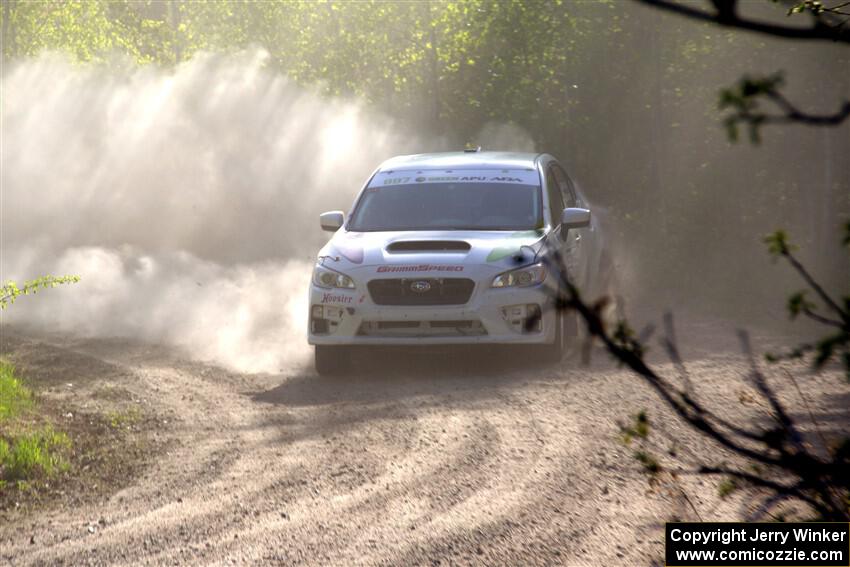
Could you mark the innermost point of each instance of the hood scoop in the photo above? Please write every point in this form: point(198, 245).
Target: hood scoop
point(407, 246)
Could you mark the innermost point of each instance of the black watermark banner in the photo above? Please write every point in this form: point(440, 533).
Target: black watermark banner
point(734, 544)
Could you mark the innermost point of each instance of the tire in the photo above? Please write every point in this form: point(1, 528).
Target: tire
point(554, 353)
point(332, 360)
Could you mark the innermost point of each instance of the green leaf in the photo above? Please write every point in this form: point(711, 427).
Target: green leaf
point(797, 303)
point(10, 291)
point(777, 243)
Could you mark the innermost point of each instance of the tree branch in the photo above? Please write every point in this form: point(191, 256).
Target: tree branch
point(794, 114)
point(818, 289)
point(729, 18)
point(819, 482)
point(765, 483)
point(821, 319)
point(689, 411)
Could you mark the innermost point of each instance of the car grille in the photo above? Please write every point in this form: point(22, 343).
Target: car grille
point(440, 291)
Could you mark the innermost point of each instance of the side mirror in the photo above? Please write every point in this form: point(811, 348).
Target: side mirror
point(575, 218)
point(331, 220)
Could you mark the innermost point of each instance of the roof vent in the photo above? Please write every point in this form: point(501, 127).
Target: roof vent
point(472, 149)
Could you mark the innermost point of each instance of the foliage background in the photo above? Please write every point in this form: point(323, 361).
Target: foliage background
point(627, 96)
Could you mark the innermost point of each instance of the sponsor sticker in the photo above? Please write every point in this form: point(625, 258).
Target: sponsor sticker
point(330, 297)
point(419, 268)
point(353, 254)
point(518, 176)
point(502, 252)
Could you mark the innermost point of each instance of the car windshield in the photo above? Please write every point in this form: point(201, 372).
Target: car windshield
point(486, 205)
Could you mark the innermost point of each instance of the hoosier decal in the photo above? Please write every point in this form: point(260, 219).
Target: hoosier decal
point(336, 298)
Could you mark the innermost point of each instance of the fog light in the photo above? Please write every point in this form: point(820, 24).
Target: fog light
point(524, 318)
point(533, 320)
point(325, 319)
point(333, 313)
point(319, 326)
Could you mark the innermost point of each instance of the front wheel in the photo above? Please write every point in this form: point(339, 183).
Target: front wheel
point(566, 338)
point(554, 353)
point(332, 360)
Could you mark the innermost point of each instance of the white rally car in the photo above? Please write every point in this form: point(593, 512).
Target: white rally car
point(452, 248)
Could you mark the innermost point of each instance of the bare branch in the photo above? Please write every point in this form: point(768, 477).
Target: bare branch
point(820, 30)
point(760, 383)
point(808, 409)
point(772, 485)
point(794, 114)
point(822, 483)
point(671, 347)
point(810, 281)
point(632, 357)
point(821, 319)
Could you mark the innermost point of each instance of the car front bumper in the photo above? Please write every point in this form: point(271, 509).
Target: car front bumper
point(491, 316)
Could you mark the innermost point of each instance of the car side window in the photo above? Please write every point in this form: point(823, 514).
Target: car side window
point(566, 185)
point(556, 201)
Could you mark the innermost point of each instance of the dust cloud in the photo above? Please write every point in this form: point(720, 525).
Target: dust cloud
point(186, 199)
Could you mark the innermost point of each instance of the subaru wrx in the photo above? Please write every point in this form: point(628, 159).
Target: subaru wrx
point(452, 248)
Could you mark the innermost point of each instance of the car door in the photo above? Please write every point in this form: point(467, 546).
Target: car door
point(556, 206)
point(572, 245)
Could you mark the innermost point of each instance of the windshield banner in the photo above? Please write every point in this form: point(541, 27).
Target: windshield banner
point(513, 176)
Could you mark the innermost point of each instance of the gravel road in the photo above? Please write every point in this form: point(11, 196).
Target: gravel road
point(420, 459)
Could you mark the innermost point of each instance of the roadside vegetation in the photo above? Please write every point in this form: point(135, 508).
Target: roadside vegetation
point(30, 449)
point(785, 461)
point(51, 450)
point(780, 462)
point(62, 442)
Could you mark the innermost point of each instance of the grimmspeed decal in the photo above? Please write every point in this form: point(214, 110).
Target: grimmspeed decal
point(419, 268)
point(511, 176)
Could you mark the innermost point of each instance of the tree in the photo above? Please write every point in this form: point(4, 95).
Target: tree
point(782, 465)
point(828, 23)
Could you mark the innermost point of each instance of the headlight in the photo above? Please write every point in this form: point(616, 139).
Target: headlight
point(325, 277)
point(522, 277)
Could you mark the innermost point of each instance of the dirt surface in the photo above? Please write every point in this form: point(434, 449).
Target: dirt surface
point(419, 459)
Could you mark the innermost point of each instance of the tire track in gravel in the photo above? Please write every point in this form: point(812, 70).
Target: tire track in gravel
point(138, 514)
point(425, 494)
point(532, 459)
point(440, 463)
point(551, 515)
point(435, 463)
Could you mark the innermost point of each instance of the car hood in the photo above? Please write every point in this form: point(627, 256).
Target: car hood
point(437, 251)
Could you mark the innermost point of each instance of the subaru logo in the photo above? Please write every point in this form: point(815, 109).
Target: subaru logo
point(420, 286)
